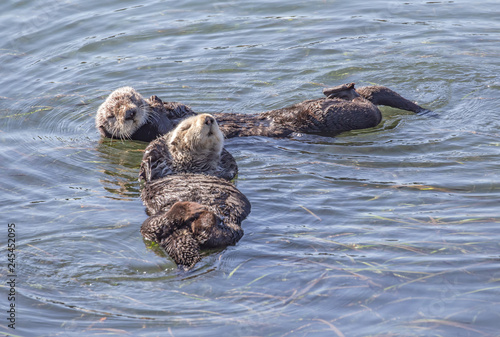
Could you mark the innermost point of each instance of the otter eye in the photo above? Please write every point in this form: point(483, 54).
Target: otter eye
point(110, 116)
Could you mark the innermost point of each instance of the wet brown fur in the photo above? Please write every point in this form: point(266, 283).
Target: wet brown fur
point(191, 212)
point(344, 108)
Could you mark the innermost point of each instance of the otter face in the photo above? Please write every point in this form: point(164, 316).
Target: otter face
point(198, 135)
point(122, 113)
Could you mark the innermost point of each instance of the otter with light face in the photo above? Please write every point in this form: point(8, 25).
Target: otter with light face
point(344, 108)
point(125, 114)
point(191, 206)
point(196, 145)
point(192, 212)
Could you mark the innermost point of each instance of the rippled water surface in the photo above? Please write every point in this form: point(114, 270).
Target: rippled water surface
point(390, 231)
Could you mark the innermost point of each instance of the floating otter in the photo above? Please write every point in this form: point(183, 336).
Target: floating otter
point(194, 146)
point(191, 212)
point(191, 204)
point(125, 114)
point(344, 108)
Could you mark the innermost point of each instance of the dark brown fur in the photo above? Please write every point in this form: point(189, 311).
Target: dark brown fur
point(344, 108)
point(190, 212)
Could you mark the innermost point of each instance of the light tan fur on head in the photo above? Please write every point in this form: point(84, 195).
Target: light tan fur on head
point(197, 142)
point(122, 113)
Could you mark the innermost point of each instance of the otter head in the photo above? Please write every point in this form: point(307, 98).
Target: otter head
point(203, 226)
point(192, 215)
point(122, 113)
point(197, 139)
point(185, 211)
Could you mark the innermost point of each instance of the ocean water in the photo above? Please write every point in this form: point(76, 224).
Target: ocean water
point(389, 231)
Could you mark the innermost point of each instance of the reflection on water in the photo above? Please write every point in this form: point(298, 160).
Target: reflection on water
point(390, 230)
point(120, 161)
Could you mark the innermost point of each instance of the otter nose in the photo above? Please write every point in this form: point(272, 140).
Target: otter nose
point(129, 114)
point(209, 120)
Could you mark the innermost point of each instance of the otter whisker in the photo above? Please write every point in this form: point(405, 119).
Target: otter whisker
point(125, 114)
point(153, 115)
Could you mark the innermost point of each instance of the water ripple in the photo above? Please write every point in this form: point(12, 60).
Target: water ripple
point(394, 226)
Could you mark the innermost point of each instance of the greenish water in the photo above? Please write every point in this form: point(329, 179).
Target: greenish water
point(390, 231)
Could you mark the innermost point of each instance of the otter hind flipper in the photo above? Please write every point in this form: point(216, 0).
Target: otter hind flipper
point(380, 95)
point(344, 91)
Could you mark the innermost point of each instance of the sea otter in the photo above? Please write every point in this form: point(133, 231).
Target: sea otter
point(125, 114)
point(194, 146)
point(344, 108)
point(191, 203)
point(191, 212)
